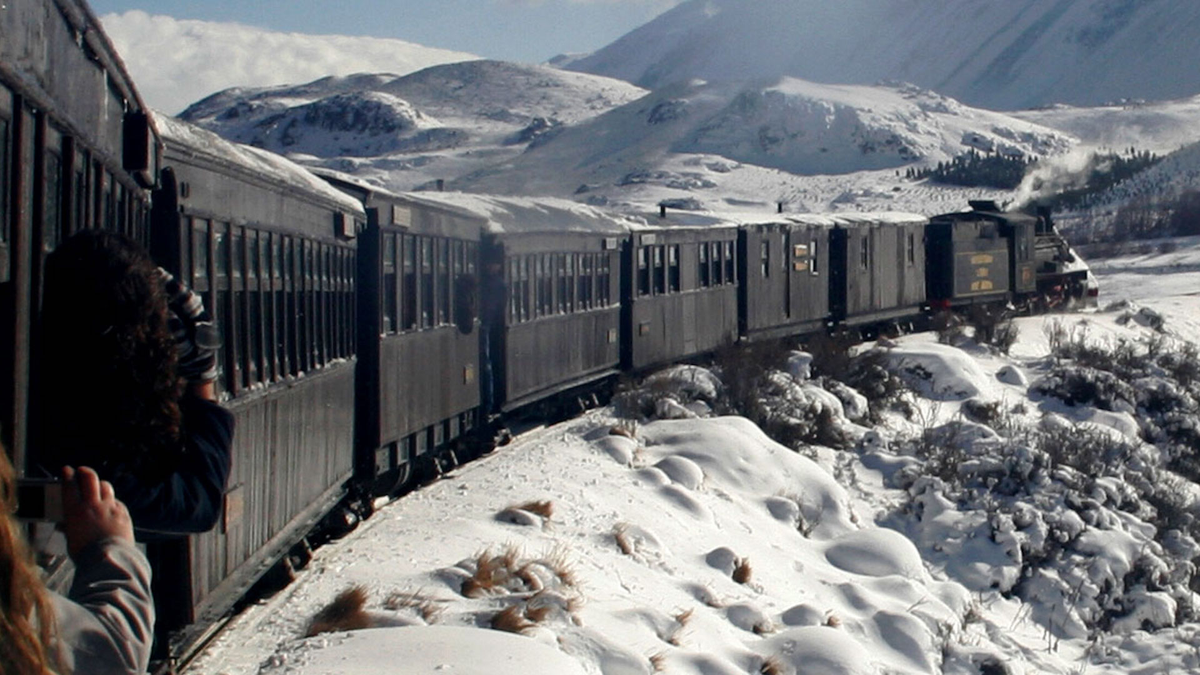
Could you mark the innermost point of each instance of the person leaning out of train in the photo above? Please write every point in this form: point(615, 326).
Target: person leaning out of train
point(130, 361)
point(105, 624)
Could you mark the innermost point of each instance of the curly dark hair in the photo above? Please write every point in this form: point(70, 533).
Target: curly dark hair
point(110, 391)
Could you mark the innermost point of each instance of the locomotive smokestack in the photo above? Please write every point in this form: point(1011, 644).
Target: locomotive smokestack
point(662, 210)
point(441, 185)
point(778, 207)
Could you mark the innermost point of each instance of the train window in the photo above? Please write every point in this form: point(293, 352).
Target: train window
point(714, 259)
point(912, 249)
point(673, 269)
point(583, 295)
point(240, 307)
point(5, 153)
point(280, 277)
point(526, 268)
point(644, 270)
point(406, 249)
point(221, 288)
point(660, 271)
point(254, 297)
point(110, 202)
point(427, 299)
point(570, 282)
point(52, 209)
point(765, 255)
point(562, 281)
point(270, 367)
point(730, 264)
point(813, 267)
point(545, 281)
point(705, 272)
point(389, 310)
point(303, 294)
point(80, 193)
point(443, 282)
point(865, 253)
point(605, 290)
point(512, 285)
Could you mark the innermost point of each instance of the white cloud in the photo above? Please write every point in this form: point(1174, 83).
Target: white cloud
point(176, 62)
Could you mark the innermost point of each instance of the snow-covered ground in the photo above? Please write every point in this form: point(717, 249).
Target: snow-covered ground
point(701, 546)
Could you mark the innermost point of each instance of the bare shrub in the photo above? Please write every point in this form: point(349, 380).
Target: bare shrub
point(869, 374)
point(743, 572)
point(744, 370)
point(833, 354)
point(345, 612)
point(949, 327)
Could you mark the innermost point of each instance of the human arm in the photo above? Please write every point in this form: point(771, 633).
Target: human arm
point(106, 623)
point(190, 498)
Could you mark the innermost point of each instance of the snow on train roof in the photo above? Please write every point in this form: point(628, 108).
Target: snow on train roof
point(532, 214)
point(252, 160)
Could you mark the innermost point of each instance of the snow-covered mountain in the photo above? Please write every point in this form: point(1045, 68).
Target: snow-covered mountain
point(406, 131)
point(998, 55)
point(175, 62)
point(486, 126)
point(703, 143)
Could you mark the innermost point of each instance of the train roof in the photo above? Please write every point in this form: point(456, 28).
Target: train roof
point(194, 142)
point(532, 215)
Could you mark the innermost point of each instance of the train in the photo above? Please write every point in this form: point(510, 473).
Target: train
point(371, 337)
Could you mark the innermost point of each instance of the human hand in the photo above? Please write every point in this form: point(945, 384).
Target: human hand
point(196, 336)
point(90, 511)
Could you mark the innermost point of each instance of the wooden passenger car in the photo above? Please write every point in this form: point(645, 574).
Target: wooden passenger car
point(549, 297)
point(877, 263)
point(680, 293)
point(76, 151)
point(271, 249)
point(785, 276)
point(419, 340)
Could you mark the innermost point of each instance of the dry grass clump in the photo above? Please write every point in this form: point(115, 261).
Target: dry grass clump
point(833, 620)
point(428, 608)
point(626, 428)
point(497, 574)
point(531, 513)
point(537, 609)
point(742, 572)
point(511, 619)
point(543, 508)
point(658, 662)
point(621, 535)
point(773, 665)
point(345, 612)
point(682, 619)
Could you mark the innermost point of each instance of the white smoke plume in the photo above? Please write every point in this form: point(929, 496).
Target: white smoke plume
point(1058, 174)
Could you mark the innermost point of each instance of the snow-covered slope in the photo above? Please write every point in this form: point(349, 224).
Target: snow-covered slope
point(935, 542)
point(998, 55)
point(407, 131)
point(175, 62)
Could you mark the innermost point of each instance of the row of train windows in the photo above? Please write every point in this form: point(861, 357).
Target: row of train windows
point(284, 305)
point(427, 281)
point(659, 267)
point(549, 284)
point(83, 195)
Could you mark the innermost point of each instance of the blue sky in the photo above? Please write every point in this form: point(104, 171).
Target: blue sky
point(512, 30)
